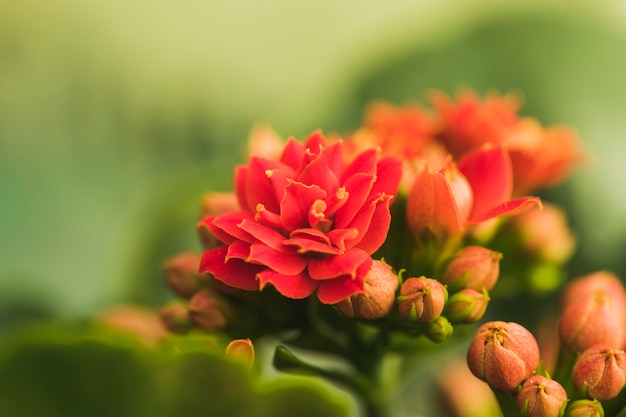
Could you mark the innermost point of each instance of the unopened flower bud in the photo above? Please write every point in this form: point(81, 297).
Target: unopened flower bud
point(593, 313)
point(241, 349)
point(601, 372)
point(474, 267)
point(208, 311)
point(503, 354)
point(545, 234)
point(541, 397)
point(602, 280)
point(175, 317)
point(439, 330)
point(421, 299)
point(379, 297)
point(181, 274)
point(466, 306)
point(585, 408)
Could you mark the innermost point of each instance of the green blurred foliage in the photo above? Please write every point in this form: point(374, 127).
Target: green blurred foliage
point(84, 372)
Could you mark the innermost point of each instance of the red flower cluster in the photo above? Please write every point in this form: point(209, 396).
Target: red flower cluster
point(467, 158)
point(307, 222)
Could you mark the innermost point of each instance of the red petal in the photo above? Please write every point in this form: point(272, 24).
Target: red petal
point(490, 174)
point(318, 171)
point(267, 235)
point(291, 286)
point(334, 290)
point(365, 162)
point(378, 226)
point(388, 174)
point(431, 205)
point(292, 154)
point(340, 237)
point(359, 188)
point(234, 272)
point(307, 245)
point(226, 227)
point(277, 261)
point(509, 208)
point(335, 266)
point(260, 188)
point(241, 174)
point(296, 203)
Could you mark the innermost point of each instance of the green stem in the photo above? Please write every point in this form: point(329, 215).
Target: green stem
point(507, 403)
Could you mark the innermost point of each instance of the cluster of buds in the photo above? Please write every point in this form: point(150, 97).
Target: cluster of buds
point(592, 362)
point(200, 302)
point(460, 295)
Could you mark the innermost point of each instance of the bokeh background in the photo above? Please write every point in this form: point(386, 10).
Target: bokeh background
point(115, 117)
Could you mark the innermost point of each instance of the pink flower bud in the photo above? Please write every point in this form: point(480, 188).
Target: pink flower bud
point(466, 306)
point(175, 317)
point(541, 397)
point(593, 313)
point(380, 294)
point(585, 408)
point(503, 354)
point(208, 311)
point(474, 267)
point(545, 233)
point(421, 299)
point(601, 372)
point(181, 274)
point(241, 349)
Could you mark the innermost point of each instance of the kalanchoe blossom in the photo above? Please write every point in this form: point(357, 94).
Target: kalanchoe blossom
point(307, 223)
point(477, 189)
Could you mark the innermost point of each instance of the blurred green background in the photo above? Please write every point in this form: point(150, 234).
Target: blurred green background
point(116, 117)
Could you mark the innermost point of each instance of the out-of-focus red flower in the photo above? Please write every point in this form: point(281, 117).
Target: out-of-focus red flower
point(307, 222)
point(540, 156)
point(478, 188)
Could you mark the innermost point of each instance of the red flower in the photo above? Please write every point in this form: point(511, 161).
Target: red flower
point(477, 189)
point(306, 223)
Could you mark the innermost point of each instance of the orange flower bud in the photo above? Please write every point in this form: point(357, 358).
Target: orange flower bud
point(541, 397)
point(593, 313)
point(175, 317)
point(208, 311)
point(214, 204)
point(585, 408)
point(421, 299)
point(466, 306)
point(545, 233)
point(181, 274)
point(474, 267)
point(241, 349)
point(601, 372)
point(379, 297)
point(503, 354)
